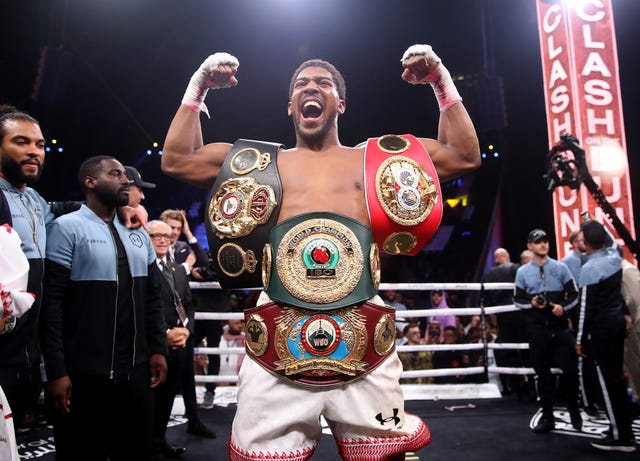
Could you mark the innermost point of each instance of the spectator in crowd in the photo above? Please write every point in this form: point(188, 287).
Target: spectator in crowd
point(101, 326)
point(189, 254)
point(438, 300)
point(175, 297)
point(209, 331)
point(417, 360)
point(525, 257)
point(631, 295)
point(455, 299)
point(392, 298)
point(232, 336)
point(502, 271)
point(450, 358)
point(433, 333)
point(574, 258)
point(546, 291)
point(201, 360)
point(136, 184)
point(602, 331)
point(474, 321)
point(510, 324)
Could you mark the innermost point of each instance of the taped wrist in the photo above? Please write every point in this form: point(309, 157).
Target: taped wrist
point(444, 88)
point(196, 92)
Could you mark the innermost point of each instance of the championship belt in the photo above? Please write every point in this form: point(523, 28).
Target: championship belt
point(241, 210)
point(320, 348)
point(402, 192)
point(320, 261)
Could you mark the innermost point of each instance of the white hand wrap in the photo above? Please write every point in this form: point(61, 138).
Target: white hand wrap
point(201, 81)
point(439, 78)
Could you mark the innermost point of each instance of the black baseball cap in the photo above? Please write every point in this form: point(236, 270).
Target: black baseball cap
point(537, 235)
point(136, 179)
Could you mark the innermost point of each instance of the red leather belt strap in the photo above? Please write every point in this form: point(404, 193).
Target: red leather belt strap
point(403, 193)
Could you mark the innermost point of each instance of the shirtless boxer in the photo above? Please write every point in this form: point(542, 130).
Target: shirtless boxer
point(301, 360)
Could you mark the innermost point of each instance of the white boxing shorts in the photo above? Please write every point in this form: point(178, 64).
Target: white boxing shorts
point(279, 419)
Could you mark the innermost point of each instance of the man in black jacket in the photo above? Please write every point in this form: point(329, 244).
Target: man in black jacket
point(191, 255)
point(511, 325)
point(602, 330)
point(102, 330)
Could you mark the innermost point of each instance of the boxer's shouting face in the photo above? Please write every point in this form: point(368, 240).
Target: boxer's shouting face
point(315, 104)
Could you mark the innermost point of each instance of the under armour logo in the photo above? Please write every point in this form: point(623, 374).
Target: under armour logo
point(393, 418)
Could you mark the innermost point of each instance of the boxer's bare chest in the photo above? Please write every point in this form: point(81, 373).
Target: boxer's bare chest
point(331, 181)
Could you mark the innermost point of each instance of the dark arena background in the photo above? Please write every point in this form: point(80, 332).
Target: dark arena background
point(106, 77)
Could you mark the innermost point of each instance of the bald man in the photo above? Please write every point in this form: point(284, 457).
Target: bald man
point(510, 324)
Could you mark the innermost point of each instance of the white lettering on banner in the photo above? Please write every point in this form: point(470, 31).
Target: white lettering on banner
point(567, 197)
point(561, 126)
point(593, 121)
point(582, 13)
point(559, 100)
point(569, 221)
point(594, 63)
point(582, 95)
point(598, 93)
point(586, 31)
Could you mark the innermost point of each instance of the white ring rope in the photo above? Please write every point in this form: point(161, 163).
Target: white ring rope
point(401, 315)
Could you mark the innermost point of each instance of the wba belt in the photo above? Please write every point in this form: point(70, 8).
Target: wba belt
point(320, 261)
point(241, 210)
point(320, 348)
point(403, 193)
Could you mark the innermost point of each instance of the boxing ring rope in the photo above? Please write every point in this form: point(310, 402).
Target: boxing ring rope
point(416, 391)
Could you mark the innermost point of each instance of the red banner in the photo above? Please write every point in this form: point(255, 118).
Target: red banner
point(582, 96)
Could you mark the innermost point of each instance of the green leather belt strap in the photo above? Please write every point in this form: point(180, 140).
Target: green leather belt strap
point(321, 261)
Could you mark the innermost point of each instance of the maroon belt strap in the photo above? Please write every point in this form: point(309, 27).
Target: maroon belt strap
point(320, 348)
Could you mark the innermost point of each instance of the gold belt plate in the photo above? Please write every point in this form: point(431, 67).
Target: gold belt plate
point(319, 261)
point(239, 205)
point(405, 190)
point(296, 329)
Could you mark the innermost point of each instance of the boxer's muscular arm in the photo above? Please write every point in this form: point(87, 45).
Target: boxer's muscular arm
point(185, 157)
point(456, 151)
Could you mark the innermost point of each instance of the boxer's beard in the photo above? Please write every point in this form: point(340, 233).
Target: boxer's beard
point(313, 135)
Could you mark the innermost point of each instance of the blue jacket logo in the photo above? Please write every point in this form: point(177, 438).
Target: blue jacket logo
point(136, 240)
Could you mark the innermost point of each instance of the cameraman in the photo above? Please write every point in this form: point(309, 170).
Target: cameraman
point(546, 291)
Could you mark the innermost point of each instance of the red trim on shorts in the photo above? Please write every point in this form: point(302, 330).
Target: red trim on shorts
point(238, 454)
point(383, 448)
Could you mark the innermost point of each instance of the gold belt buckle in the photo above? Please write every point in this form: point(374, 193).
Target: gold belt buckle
point(319, 261)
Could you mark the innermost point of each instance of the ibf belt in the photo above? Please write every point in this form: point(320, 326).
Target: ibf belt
point(242, 208)
point(403, 193)
point(320, 261)
point(320, 348)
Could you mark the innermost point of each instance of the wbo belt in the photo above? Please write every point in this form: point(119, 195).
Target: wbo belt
point(403, 193)
point(320, 348)
point(320, 261)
